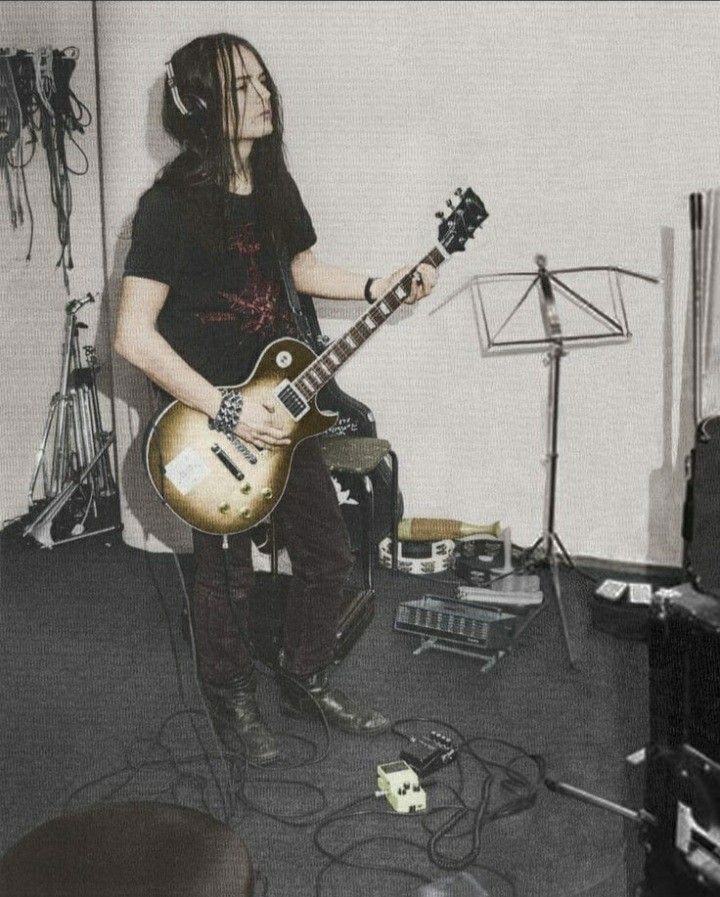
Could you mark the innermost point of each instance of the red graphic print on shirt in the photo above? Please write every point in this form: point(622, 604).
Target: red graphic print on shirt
point(258, 304)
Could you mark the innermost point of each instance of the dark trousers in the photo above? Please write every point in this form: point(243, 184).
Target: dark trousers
point(314, 532)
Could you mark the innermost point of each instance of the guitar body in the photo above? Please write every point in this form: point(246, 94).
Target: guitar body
point(221, 484)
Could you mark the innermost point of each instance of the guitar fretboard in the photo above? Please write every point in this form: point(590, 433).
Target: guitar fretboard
point(324, 367)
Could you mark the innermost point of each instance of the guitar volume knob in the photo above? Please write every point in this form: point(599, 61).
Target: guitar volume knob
point(266, 492)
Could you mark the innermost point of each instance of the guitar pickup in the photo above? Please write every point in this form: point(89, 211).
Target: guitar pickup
point(225, 459)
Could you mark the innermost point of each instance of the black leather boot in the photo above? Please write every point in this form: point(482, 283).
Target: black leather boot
point(339, 709)
point(237, 719)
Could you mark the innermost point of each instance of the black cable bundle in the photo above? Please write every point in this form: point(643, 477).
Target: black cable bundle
point(452, 826)
point(37, 103)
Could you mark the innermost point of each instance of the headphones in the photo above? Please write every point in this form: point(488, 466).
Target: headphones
point(194, 106)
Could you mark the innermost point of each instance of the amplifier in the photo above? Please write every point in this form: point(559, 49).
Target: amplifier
point(682, 788)
point(684, 657)
point(454, 621)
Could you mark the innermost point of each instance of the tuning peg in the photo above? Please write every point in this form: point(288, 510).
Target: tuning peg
point(459, 191)
point(449, 203)
point(439, 214)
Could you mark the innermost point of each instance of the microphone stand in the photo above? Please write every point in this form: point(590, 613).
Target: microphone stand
point(641, 817)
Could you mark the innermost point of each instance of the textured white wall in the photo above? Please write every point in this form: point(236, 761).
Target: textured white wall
point(583, 126)
point(33, 295)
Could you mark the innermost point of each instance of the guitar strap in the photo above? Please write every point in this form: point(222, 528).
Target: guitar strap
point(303, 312)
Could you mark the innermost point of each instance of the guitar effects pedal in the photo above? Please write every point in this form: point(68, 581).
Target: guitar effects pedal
point(401, 787)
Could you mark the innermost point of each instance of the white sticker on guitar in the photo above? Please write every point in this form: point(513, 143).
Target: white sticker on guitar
point(187, 470)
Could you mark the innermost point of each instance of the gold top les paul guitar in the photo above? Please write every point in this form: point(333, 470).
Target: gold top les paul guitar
point(221, 484)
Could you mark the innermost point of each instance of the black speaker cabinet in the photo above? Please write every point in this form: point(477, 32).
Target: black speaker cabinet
point(684, 658)
point(701, 519)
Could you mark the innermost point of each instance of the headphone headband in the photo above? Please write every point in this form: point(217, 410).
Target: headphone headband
point(170, 74)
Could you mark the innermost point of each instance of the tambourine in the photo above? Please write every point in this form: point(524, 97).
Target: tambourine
point(419, 558)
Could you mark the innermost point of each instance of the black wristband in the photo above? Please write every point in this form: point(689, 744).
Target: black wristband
point(368, 285)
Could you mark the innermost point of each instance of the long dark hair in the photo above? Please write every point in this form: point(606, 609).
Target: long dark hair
point(204, 69)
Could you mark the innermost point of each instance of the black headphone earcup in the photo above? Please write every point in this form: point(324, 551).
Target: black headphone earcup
point(195, 105)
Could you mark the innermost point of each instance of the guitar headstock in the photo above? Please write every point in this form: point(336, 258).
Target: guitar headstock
point(466, 216)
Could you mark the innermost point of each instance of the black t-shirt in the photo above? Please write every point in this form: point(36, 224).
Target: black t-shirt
point(222, 309)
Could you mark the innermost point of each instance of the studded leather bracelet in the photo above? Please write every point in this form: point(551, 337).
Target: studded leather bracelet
point(229, 411)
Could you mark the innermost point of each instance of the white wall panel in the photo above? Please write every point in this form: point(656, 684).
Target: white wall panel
point(32, 293)
point(584, 127)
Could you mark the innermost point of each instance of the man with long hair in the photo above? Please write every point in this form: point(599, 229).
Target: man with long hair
point(203, 294)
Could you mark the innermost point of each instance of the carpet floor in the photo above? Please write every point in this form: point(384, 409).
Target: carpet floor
point(101, 704)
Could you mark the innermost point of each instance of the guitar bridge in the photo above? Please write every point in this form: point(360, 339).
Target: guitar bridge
point(225, 459)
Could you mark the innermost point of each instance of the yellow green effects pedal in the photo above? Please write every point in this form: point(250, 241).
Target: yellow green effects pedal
point(401, 787)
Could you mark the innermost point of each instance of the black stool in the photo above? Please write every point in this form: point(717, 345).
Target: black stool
point(140, 849)
point(361, 455)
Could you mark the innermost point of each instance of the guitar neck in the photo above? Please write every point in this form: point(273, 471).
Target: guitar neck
point(324, 367)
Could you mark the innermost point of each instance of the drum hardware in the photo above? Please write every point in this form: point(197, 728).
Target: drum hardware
point(79, 494)
point(548, 549)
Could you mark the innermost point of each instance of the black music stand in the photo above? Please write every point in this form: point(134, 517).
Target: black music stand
point(544, 551)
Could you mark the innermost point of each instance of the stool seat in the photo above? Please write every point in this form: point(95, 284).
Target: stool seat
point(134, 849)
point(354, 454)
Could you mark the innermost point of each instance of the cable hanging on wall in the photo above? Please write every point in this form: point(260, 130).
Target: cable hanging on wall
point(37, 105)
